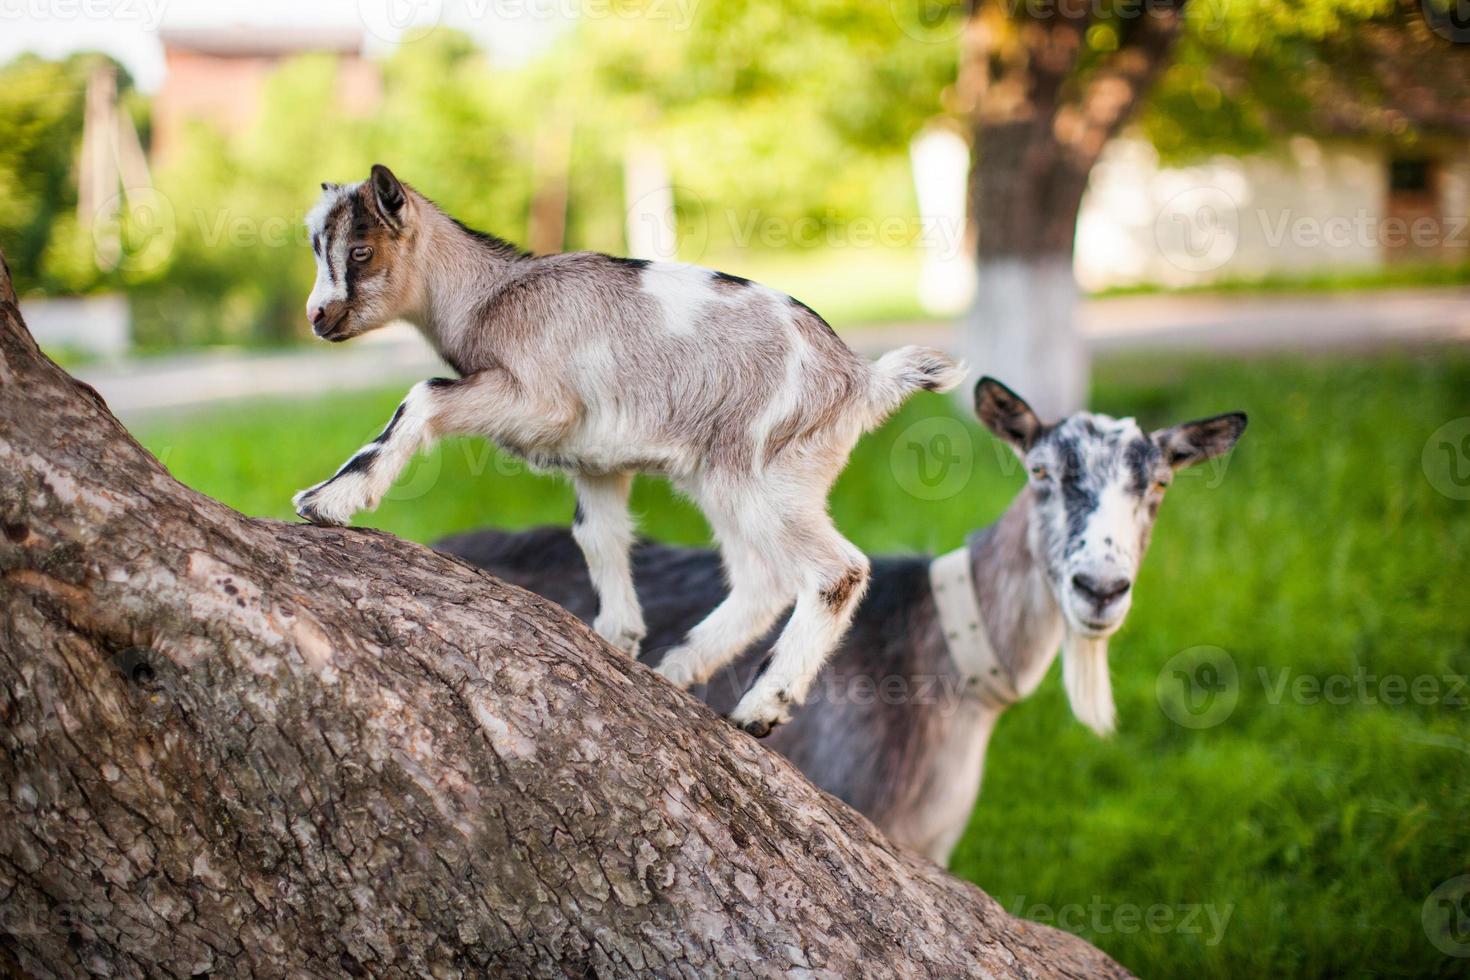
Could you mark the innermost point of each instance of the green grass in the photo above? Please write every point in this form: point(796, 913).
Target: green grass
point(1313, 831)
point(1407, 275)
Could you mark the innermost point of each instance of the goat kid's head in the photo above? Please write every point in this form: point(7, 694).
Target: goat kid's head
point(362, 237)
point(1096, 484)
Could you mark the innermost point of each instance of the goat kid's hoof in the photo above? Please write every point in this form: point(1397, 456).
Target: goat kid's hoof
point(309, 507)
point(628, 641)
point(759, 720)
point(677, 670)
point(759, 728)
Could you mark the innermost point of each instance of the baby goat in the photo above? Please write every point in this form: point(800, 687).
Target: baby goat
point(899, 720)
point(604, 367)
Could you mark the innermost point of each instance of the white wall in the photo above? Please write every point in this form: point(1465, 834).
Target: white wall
point(99, 325)
point(1308, 206)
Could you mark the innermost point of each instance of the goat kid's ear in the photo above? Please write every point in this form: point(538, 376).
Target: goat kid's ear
point(1194, 442)
point(388, 195)
point(1006, 414)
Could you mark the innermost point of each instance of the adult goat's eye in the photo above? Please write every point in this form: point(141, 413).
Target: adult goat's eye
point(1038, 472)
point(362, 253)
point(1161, 485)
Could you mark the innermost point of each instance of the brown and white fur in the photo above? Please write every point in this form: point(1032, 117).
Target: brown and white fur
point(897, 724)
point(604, 367)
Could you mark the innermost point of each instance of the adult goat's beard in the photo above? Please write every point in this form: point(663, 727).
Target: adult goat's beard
point(1085, 675)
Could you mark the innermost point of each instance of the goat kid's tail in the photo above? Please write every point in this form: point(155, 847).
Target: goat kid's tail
point(900, 373)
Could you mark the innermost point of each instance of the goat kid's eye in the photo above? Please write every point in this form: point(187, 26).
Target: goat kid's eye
point(1038, 472)
point(362, 253)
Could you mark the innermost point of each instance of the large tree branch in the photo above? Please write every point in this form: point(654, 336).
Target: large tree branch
point(242, 746)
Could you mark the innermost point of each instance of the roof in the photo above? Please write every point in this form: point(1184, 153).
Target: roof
point(258, 42)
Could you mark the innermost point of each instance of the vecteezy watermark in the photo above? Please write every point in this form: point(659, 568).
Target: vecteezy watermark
point(1099, 918)
point(940, 237)
point(1446, 459)
point(1362, 687)
point(1450, 19)
point(1362, 229)
point(423, 472)
point(1201, 229)
point(933, 458)
point(1198, 230)
point(939, 695)
point(1446, 917)
point(146, 13)
point(1198, 687)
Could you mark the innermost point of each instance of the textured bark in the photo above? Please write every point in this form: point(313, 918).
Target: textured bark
point(240, 746)
point(1041, 109)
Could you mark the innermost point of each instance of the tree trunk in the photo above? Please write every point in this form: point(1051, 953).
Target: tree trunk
point(240, 746)
point(1042, 106)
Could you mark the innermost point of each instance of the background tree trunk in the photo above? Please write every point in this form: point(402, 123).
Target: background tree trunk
point(241, 746)
point(1046, 86)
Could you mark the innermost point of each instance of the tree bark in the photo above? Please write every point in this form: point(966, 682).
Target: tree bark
point(239, 746)
point(1042, 105)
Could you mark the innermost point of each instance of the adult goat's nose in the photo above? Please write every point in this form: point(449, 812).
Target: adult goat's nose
point(317, 315)
point(1100, 591)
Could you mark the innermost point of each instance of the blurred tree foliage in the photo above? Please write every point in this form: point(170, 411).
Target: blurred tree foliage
point(782, 121)
point(831, 89)
point(446, 123)
point(1248, 72)
point(41, 112)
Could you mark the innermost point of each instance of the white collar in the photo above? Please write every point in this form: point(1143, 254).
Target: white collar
point(952, 582)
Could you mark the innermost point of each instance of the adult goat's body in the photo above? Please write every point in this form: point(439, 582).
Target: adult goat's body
point(900, 718)
point(605, 367)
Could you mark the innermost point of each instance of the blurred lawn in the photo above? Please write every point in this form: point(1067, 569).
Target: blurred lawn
point(1313, 832)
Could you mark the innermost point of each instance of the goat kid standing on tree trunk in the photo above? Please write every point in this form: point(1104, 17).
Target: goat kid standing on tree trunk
point(606, 367)
point(962, 636)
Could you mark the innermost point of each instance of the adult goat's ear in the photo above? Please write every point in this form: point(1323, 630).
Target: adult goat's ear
point(388, 195)
point(1006, 414)
point(1194, 442)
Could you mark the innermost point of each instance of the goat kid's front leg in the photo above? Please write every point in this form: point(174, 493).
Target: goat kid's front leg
point(487, 403)
point(363, 480)
point(604, 531)
point(834, 585)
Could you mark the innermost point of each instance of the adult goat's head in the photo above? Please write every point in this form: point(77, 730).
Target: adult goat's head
point(363, 236)
point(1096, 484)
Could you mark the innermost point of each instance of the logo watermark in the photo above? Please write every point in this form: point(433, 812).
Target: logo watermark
point(1446, 459)
point(1450, 19)
point(1198, 687)
point(1198, 230)
point(1446, 917)
point(933, 459)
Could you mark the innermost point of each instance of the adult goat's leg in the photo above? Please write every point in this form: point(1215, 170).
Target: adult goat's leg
point(834, 577)
point(485, 403)
point(604, 531)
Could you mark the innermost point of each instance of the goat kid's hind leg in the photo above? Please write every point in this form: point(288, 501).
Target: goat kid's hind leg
point(603, 530)
point(760, 591)
point(835, 576)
